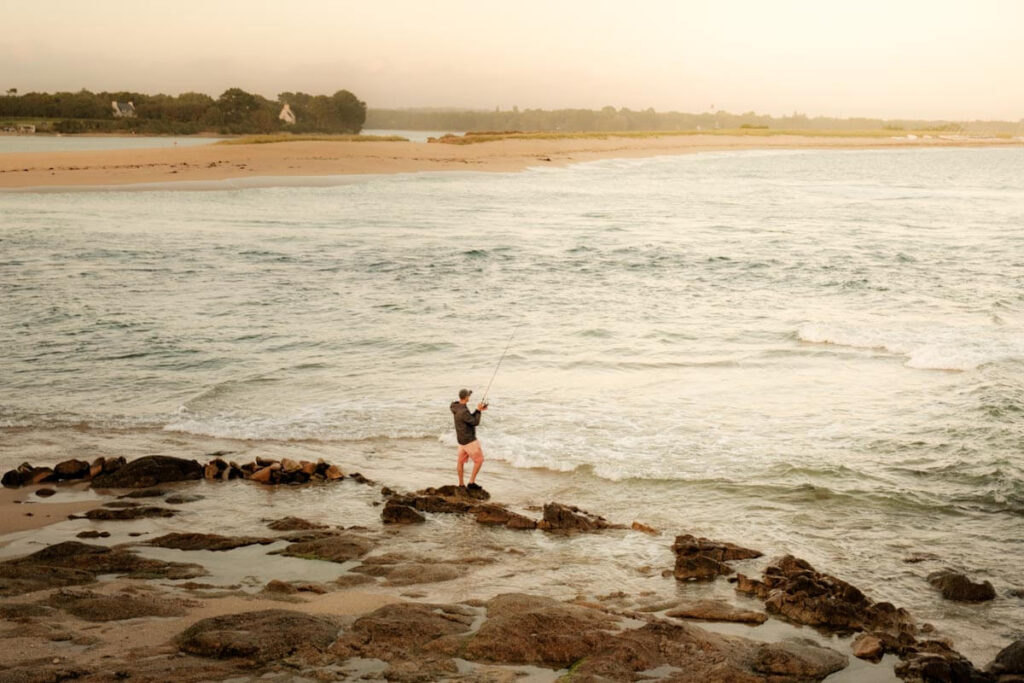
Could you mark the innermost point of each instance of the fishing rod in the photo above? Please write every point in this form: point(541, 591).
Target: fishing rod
point(495, 373)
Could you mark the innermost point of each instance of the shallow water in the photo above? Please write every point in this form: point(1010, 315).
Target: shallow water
point(811, 352)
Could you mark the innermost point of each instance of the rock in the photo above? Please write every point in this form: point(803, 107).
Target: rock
point(258, 637)
point(401, 631)
point(360, 479)
point(72, 563)
point(280, 587)
point(94, 607)
point(93, 534)
point(12, 479)
point(526, 629)
point(294, 524)
point(1010, 660)
point(569, 518)
point(40, 475)
point(498, 515)
point(340, 547)
point(687, 545)
point(179, 498)
point(107, 514)
point(264, 475)
point(868, 647)
point(408, 574)
point(45, 492)
point(802, 595)
point(396, 513)
point(146, 493)
point(334, 473)
point(956, 586)
point(699, 568)
point(799, 658)
point(149, 471)
point(288, 465)
point(749, 586)
point(191, 541)
point(71, 469)
point(715, 610)
point(643, 528)
point(936, 661)
point(23, 611)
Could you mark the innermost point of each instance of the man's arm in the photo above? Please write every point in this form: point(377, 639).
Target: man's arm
point(471, 418)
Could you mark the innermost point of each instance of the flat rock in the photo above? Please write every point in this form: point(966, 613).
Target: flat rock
point(180, 498)
point(72, 563)
point(799, 658)
point(258, 637)
point(956, 586)
point(498, 515)
point(146, 493)
point(94, 607)
point(716, 610)
point(92, 533)
point(401, 631)
point(191, 541)
point(136, 512)
point(148, 471)
point(411, 573)
point(45, 492)
point(699, 568)
point(294, 524)
point(340, 547)
point(717, 550)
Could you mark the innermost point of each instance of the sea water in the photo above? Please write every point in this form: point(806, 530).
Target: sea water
point(813, 352)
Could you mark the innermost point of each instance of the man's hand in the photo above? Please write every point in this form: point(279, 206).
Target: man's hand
point(481, 406)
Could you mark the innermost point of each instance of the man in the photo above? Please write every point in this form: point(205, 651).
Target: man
point(465, 433)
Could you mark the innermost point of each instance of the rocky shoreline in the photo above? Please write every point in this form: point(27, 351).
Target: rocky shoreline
point(78, 611)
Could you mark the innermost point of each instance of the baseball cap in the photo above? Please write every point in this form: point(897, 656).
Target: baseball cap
point(464, 393)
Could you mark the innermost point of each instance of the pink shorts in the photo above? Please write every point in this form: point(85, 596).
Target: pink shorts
point(471, 450)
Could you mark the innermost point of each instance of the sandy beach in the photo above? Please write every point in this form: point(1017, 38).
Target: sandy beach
point(222, 162)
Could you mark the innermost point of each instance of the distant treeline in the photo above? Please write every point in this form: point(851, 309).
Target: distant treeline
point(612, 119)
point(234, 112)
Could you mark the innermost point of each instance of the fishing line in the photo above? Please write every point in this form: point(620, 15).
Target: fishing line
point(495, 373)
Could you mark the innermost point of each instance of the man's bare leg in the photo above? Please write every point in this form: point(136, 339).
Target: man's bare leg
point(459, 468)
point(476, 468)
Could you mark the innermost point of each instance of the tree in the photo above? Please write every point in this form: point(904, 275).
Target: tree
point(11, 92)
point(236, 104)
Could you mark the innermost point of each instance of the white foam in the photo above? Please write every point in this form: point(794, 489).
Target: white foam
point(928, 347)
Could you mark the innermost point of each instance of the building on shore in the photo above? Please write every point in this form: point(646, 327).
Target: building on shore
point(123, 110)
point(287, 115)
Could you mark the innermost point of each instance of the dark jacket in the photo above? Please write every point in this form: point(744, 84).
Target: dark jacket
point(465, 422)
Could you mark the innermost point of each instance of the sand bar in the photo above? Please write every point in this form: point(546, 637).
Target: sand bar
point(316, 158)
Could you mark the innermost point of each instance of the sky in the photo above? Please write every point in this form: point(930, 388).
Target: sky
point(942, 59)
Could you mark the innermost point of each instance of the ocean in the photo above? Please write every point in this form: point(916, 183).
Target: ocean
point(809, 352)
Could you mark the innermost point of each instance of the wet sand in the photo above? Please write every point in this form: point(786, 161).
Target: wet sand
point(22, 510)
point(315, 158)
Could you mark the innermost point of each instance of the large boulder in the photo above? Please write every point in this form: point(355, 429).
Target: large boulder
point(149, 471)
point(702, 559)
point(1009, 661)
point(72, 469)
point(258, 637)
point(956, 586)
point(715, 610)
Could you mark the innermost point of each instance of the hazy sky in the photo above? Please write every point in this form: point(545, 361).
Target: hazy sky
point(898, 58)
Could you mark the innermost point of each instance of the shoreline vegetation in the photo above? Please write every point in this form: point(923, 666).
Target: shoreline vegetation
point(290, 158)
point(369, 616)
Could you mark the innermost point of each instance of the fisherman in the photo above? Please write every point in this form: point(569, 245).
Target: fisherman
point(465, 433)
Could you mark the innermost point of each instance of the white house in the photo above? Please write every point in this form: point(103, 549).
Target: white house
point(287, 115)
point(123, 110)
